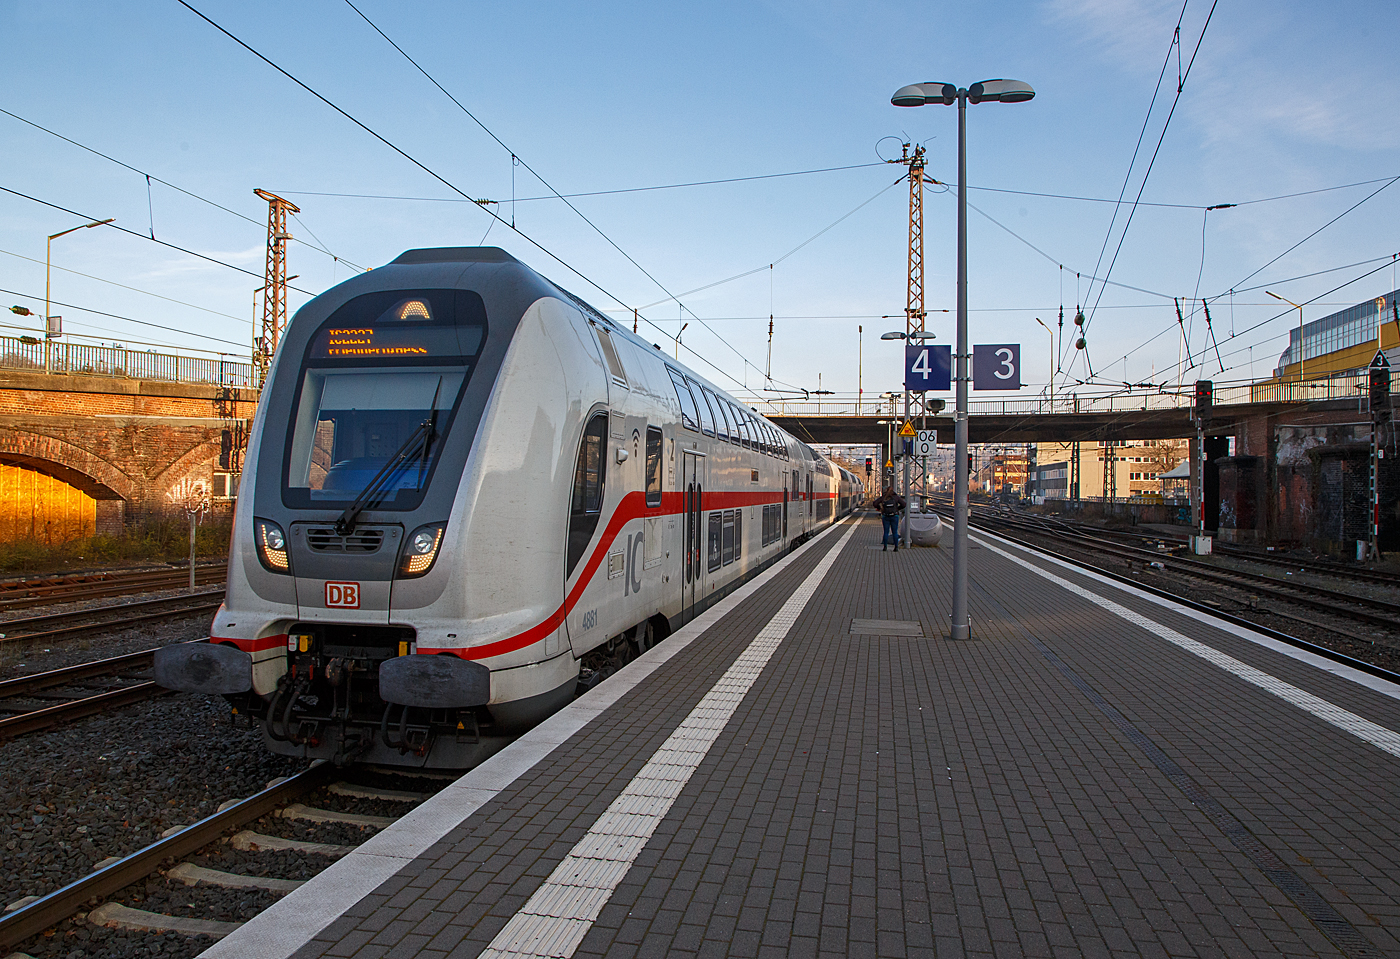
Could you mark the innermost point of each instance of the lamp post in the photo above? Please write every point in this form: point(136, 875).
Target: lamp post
point(48, 273)
point(1052, 362)
point(860, 361)
point(917, 95)
point(1300, 332)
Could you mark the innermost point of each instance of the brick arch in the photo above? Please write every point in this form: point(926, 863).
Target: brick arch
point(195, 460)
point(67, 462)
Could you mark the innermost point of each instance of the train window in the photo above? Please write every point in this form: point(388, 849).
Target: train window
point(772, 437)
point(714, 538)
point(721, 416)
point(610, 355)
point(586, 504)
point(744, 439)
point(707, 416)
point(727, 548)
point(653, 466)
point(754, 431)
point(690, 417)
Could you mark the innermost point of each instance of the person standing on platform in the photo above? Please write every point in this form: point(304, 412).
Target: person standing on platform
point(891, 507)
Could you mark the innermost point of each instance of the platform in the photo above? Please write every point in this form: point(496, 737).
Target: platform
point(812, 768)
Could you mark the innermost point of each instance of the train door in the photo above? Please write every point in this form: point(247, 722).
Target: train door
point(811, 504)
point(692, 575)
point(787, 482)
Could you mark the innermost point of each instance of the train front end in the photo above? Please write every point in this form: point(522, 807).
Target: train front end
point(356, 530)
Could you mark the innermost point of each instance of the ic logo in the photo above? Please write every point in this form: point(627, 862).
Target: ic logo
point(343, 595)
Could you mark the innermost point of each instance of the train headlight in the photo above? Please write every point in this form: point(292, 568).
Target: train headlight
point(272, 546)
point(421, 550)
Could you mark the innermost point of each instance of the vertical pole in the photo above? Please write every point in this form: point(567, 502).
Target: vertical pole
point(961, 628)
point(908, 455)
point(192, 518)
point(48, 307)
point(860, 365)
point(1200, 479)
point(1374, 553)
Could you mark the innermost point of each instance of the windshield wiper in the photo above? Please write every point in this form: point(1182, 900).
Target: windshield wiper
point(424, 433)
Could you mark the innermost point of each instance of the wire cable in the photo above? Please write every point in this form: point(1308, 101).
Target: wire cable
point(574, 196)
point(142, 236)
point(118, 316)
point(441, 179)
point(1314, 233)
point(515, 158)
point(133, 289)
point(1180, 86)
point(151, 177)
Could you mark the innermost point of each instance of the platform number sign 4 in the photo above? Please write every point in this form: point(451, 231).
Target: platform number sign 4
point(927, 367)
point(996, 366)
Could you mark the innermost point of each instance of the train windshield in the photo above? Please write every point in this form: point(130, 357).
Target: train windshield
point(352, 423)
point(379, 387)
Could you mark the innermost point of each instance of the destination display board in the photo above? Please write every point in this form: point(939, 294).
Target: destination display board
point(394, 342)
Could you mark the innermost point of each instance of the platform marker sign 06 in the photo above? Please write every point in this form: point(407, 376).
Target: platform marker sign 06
point(927, 367)
point(996, 366)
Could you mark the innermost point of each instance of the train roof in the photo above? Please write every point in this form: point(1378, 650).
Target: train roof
point(508, 286)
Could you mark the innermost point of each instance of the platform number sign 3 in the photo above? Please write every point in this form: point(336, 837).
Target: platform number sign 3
point(996, 366)
point(927, 367)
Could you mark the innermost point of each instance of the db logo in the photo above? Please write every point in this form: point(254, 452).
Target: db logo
point(343, 595)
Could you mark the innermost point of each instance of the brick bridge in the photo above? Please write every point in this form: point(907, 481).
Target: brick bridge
point(88, 453)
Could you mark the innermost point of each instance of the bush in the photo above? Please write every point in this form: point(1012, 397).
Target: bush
point(162, 540)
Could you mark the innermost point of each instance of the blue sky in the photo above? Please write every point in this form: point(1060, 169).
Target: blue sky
point(1283, 98)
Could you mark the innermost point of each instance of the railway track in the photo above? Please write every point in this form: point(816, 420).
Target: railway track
point(1372, 612)
point(40, 701)
point(1312, 565)
point(279, 800)
point(1360, 662)
point(54, 626)
point(47, 590)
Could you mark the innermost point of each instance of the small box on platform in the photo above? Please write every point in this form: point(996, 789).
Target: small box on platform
point(1200, 545)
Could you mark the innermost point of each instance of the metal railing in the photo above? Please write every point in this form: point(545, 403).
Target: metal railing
point(36, 355)
point(1349, 386)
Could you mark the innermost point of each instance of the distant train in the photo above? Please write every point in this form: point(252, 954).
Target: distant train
point(467, 494)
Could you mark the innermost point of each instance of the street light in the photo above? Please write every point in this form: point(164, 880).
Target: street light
point(1300, 331)
point(917, 95)
point(49, 332)
point(1052, 362)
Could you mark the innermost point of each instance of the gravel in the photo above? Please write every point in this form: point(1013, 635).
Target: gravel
point(109, 785)
point(25, 658)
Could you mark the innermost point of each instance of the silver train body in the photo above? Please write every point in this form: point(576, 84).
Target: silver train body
point(467, 495)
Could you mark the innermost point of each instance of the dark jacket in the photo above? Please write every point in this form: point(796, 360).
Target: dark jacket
point(890, 503)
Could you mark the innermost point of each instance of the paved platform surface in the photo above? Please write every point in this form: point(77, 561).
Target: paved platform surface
point(1096, 773)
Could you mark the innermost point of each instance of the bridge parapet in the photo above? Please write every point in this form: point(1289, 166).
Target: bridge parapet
point(1344, 387)
point(34, 355)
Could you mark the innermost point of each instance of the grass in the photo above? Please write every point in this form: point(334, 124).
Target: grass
point(154, 541)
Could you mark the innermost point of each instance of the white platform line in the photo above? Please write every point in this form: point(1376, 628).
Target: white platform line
point(1377, 735)
point(557, 917)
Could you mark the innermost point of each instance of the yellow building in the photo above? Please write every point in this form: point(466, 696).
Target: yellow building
point(1341, 342)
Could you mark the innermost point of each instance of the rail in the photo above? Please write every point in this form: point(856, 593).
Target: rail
point(1351, 386)
point(37, 356)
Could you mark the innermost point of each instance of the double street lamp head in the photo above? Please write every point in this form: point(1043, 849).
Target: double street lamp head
point(915, 335)
point(1001, 91)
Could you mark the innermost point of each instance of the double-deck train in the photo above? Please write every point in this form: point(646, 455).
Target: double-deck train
point(468, 494)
